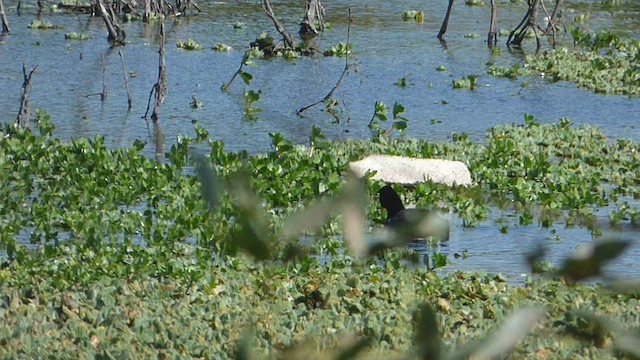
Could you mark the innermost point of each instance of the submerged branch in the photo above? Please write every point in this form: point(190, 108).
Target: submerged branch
point(344, 72)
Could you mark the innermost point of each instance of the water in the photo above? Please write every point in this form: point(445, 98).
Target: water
point(385, 50)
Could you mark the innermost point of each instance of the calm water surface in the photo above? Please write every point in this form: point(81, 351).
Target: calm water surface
point(386, 49)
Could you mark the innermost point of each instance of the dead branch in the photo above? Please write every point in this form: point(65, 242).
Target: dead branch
point(3, 18)
point(492, 36)
point(529, 22)
point(445, 22)
point(126, 81)
point(288, 39)
point(116, 33)
point(160, 87)
point(23, 113)
point(313, 14)
point(344, 72)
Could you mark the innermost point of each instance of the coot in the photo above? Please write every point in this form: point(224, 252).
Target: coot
point(414, 223)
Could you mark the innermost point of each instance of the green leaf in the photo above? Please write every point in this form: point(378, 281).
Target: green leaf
point(246, 77)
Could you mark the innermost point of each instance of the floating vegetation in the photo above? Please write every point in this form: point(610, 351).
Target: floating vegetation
point(474, 3)
point(189, 44)
point(441, 68)
point(470, 82)
point(472, 35)
point(341, 49)
point(126, 17)
point(608, 65)
point(179, 282)
point(42, 25)
point(76, 36)
point(222, 47)
point(413, 15)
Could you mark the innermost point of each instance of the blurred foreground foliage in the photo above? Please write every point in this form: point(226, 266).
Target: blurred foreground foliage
point(113, 255)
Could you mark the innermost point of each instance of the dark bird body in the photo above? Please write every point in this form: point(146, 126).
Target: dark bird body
point(415, 223)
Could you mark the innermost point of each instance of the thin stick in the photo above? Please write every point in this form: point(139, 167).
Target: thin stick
point(266, 5)
point(161, 89)
point(344, 72)
point(103, 94)
point(126, 81)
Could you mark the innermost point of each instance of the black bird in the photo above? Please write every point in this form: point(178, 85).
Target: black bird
point(414, 223)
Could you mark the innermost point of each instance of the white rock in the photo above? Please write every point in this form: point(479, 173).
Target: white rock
point(411, 171)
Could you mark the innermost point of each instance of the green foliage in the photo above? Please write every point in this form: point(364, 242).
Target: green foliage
point(222, 47)
point(111, 254)
point(42, 25)
point(413, 15)
point(470, 82)
point(250, 97)
point(474, 3)
point(605, 64)
point(341, 49)
point(76, 36)
point(189, 44)
point(380, 115)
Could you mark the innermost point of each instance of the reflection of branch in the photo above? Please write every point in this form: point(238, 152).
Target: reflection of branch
point(126, 82)
point(344, 71)
point(285, 34)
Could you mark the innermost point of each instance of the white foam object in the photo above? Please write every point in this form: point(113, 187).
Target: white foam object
point(410, 171)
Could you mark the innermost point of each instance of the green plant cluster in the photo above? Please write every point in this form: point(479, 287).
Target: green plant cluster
point(126, 259)
point(545, 172)
point(604, 63)
point(189, 44)
point(284, 310)
point(42, 25)
point(76, 36)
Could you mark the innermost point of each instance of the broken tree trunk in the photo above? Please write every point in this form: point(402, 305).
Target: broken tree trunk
point(529, 22)
point(313, 21)
point(24, 113)
point(288, 39)
point(3, 18)
point(116, 33)
point(492, 36)
point(445, 22)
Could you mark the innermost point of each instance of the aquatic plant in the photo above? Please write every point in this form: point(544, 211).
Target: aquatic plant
point(42, 25)
point(132, 257)
point(221, 47)
point(76, 36)
point(189, 44)
point(413, 15)
point(470, 82)
point(341, 49)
